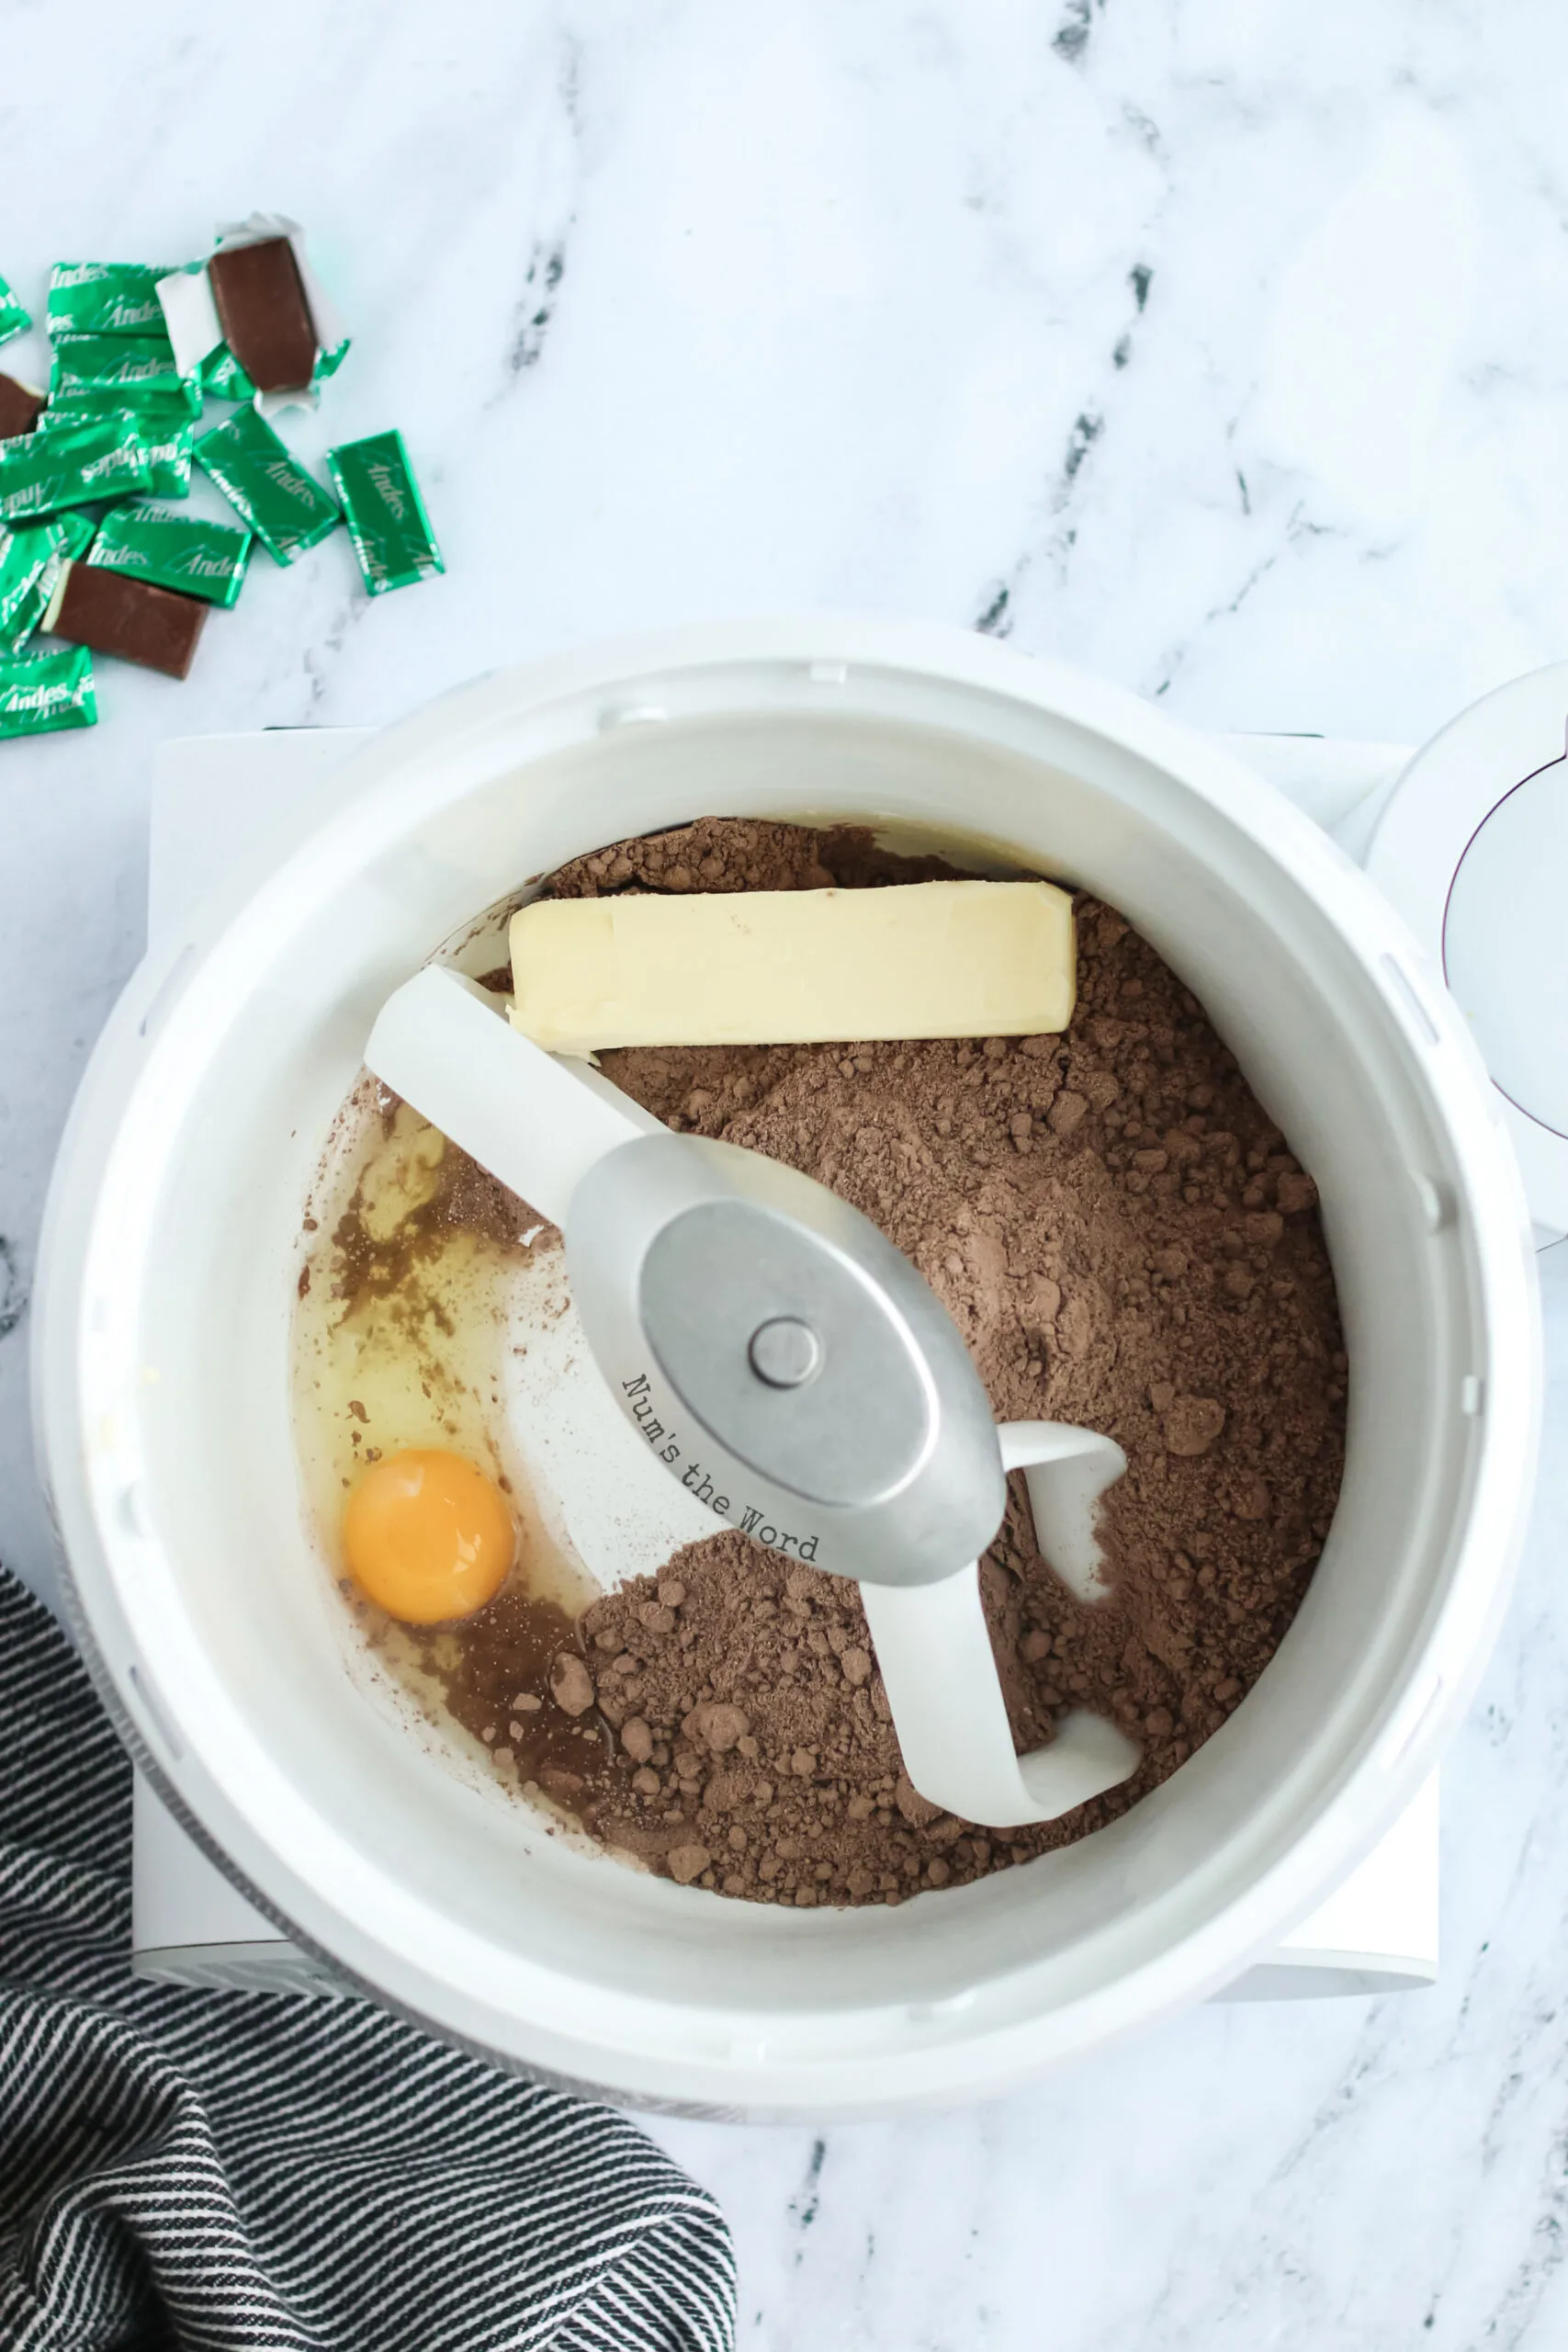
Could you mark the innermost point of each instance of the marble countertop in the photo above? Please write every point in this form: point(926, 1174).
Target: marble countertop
point(1217, 348)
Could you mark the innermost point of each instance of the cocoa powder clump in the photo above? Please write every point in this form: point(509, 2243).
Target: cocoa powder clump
point(741, 854)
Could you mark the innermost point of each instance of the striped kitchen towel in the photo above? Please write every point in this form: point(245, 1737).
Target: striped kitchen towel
point(286, 2171)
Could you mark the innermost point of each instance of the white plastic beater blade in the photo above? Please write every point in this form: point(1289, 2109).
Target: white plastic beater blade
point(443, 1043)
point(1067, 1470)
point(933, 1648)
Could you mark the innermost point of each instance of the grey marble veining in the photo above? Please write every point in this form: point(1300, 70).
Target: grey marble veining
point(1218, 348)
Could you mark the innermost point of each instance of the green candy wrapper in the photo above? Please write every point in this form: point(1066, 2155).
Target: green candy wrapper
point(29, 560)
point(105, 297)
point(14, 320)
point(328, 363)
point(110, 371)
point(385, 513)
point(168, 454)
point(163, 428)
point(74, 466)
point(284, 506)
point(77, 532)
point(46, 691)
point(156, 414)
point(222, 378)
point(195, 558)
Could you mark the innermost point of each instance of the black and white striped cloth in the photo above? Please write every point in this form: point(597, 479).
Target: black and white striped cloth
point(286, 2171)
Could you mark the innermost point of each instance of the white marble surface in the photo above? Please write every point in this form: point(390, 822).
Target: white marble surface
point(1229, 342)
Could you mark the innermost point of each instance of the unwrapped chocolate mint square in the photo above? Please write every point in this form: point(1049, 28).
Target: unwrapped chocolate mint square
point(116, 614)
point(265, 318)
point(21, 408)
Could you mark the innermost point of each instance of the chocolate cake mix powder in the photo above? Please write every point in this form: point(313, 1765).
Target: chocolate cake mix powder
point(1125, 1241)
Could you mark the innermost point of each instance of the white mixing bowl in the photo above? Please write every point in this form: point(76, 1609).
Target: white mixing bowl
point(163, 1389)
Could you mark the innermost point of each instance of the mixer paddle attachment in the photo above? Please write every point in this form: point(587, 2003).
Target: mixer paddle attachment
point(754, 1327)
point(934, 1650)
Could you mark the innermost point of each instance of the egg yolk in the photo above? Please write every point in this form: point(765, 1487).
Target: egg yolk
point(428, 1536)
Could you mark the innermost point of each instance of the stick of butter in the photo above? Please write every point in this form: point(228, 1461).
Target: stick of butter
point(779, 968)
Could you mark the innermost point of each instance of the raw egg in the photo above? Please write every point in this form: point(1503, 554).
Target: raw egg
point(428, 1536)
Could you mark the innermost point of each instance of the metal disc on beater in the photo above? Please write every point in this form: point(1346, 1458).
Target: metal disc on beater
point(784, 1344)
